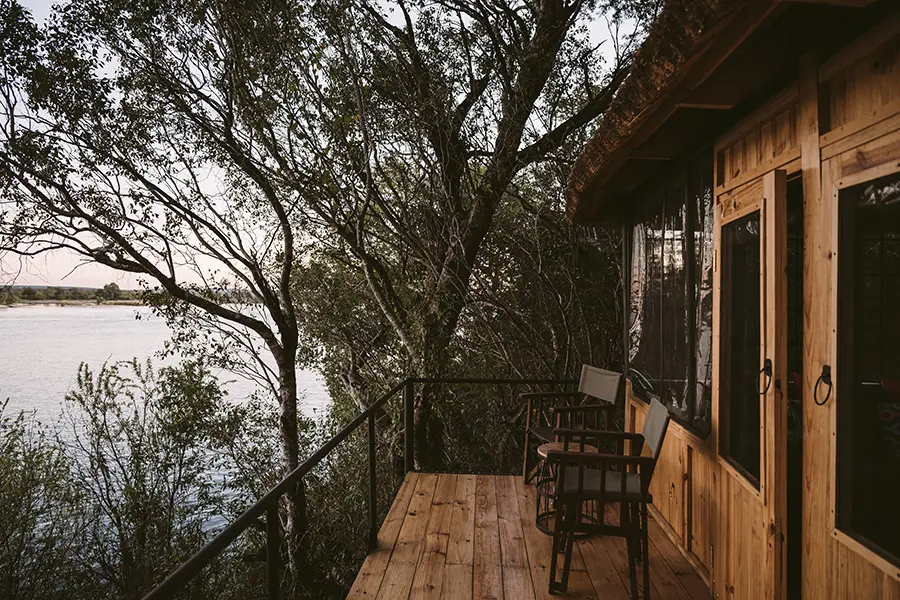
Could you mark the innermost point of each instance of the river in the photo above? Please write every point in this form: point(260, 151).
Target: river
point(41, 347)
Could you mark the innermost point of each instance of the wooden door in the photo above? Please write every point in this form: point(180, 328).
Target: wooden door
point(851, 479)
point(749, 403)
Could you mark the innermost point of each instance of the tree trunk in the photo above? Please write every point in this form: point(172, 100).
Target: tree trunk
point(429, 453)
point(293, 501)
point(427, 424)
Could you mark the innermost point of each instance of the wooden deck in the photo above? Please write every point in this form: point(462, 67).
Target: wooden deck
point(458, 537)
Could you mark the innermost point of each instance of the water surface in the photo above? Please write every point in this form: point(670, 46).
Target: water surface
point(41, 347)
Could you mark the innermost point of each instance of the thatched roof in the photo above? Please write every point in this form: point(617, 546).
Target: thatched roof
point(682, 28)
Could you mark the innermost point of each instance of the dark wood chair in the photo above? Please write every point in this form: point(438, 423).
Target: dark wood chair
point(591, 406)
point(593, 480)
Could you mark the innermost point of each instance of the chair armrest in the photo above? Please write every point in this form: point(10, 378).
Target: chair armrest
point(588, 458)
point(607, 406)
point(591, 433)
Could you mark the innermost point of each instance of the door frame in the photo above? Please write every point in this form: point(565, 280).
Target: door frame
point(840, 171)
point(768, 195)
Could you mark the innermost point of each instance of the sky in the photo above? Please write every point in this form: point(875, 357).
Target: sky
point(67, 269)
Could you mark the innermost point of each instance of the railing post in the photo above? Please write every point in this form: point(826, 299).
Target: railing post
point(373, 486)
point(273, 551)
point(408, 428)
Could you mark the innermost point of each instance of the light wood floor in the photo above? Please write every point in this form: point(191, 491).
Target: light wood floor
point(458, 537)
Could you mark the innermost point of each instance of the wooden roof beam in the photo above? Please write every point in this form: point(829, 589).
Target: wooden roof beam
point(847, 3)
point(704, 105)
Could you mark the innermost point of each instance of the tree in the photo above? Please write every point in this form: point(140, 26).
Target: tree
point(450, 104)
point(30, 293)
point(214, 146)
point(111, 291)
point(125, 139)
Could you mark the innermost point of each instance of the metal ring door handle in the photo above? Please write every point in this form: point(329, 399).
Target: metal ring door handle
point(825, 378)
point(767, 371)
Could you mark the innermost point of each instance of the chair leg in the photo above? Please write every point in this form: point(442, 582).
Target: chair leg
point(525, 457)
point(632, 545)
point(559, 534)
point(572, 518)
point(636, 520)
point(645, 547)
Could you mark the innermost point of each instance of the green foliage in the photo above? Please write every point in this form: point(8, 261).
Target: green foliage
point(42, 524)
point(29, 293)
point(545, 299)
point(142, 440)
point(108, 293)
point(131, 487)
point(146, 465)
point(111, 291)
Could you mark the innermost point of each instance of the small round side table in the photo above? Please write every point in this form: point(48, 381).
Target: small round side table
point(545, 486)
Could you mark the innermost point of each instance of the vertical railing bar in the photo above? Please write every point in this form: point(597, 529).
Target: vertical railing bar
point(373, 486)
point(273, 552)
point(409, 433)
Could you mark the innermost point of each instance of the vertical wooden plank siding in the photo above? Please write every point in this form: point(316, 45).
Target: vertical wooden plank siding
point(864, 78)
point(861, 142)
point(817, 254)
point(766, 140)
point(775, 194)
point(681, 487)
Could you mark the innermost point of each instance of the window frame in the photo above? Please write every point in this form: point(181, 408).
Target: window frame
point(726, 338)
point(845, 375)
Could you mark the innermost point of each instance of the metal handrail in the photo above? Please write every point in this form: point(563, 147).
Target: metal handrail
point(268, 504)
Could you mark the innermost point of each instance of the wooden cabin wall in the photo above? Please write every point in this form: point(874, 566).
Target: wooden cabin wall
point(765, 140)
point(847, 109)
point(681, 487)
point(839, 125)
point(855, 89)
point(856, 96)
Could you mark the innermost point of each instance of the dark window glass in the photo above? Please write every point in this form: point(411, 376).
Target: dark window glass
point(670, 295)
point(702, 217)
point(868, 369)
point(644, 336)
point(740, 352)
point(675, 293)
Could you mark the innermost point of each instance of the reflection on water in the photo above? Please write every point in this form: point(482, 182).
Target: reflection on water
point(42, 346)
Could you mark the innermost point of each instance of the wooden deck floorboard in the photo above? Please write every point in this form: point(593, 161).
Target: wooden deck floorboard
point(467, 537)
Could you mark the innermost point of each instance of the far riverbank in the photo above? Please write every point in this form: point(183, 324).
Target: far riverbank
point(24, 303)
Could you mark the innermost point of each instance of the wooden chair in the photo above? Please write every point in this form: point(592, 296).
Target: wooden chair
point(596, 479)
point(547, 411)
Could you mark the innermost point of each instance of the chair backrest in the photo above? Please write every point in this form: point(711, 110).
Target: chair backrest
point(600, 383)
point(655, 427)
